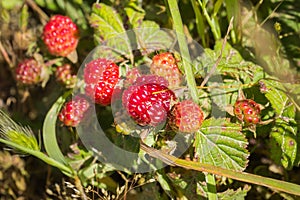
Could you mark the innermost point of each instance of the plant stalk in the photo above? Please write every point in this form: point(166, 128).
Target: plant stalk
point(68, 171)
point(186, 60)
point(275, 184)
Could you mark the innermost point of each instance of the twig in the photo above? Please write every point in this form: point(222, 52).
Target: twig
point(213, 69)
point(42, 14)
point(5, 55)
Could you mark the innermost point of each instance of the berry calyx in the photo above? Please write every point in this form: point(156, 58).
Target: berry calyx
point(28, 72)
point(247, 110)
point(74, 111)
point(149, 103)
point(186, 117)
point(64, 75)
point(60, 35)
point(101, 76)
point(165, 65)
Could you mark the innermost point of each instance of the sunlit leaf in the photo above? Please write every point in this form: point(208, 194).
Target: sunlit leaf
point(151, 38)
point(238, 194)
point(135, 14)
point(221, 143)
point(283, 143)
point(109, 32)
point(275, 93)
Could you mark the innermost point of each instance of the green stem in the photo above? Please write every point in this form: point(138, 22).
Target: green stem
point(199, 23)
point(211, 186)
point(275, 184)
point(68, 171)
point(214, 30)
point(186, 60)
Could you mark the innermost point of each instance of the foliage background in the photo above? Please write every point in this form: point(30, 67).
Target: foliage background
point(265, 33)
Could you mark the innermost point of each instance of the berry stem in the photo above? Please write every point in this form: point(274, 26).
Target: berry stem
point(186, 60)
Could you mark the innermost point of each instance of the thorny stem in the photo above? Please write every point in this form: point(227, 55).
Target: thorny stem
point(275, 184)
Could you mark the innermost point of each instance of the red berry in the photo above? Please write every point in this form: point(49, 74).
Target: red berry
point(74, 111)
point(101, 77)
point(247, 110)
point(60, 35)
point(164, 64)
point(29, 72)
point(149, 103)
point(186, 117)
point(64, 75)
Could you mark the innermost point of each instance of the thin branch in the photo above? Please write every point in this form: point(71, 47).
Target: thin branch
point(5, 55)
point(36, 8)
point(213, 69)
point(275, 184)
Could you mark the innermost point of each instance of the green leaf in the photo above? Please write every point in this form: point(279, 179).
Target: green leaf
point(232, 64)
point(97, 171)
point(275, 93)
point(164, 183)
point(283, 137)
point(110, 33)
point(232, 74)
point(190, 183)
point(8, 4)
point(151, 38)
point(49, 131)
point(279, 100)
point(135, 14)
point(283, 143)
point(231, 194)
point(221, 143)
point(49, 4)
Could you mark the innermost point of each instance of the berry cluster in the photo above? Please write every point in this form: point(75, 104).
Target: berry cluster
point(61, 36)
point(247, 110)
point(147, 99)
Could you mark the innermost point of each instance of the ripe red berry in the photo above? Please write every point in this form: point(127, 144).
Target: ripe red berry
point(247, 110)
point(101, 77)
point(60, 35)
point(165, 65)
point(74, 111)
point(148, 103)
point(186, 117)
point(29, 72)
point(64, 75)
